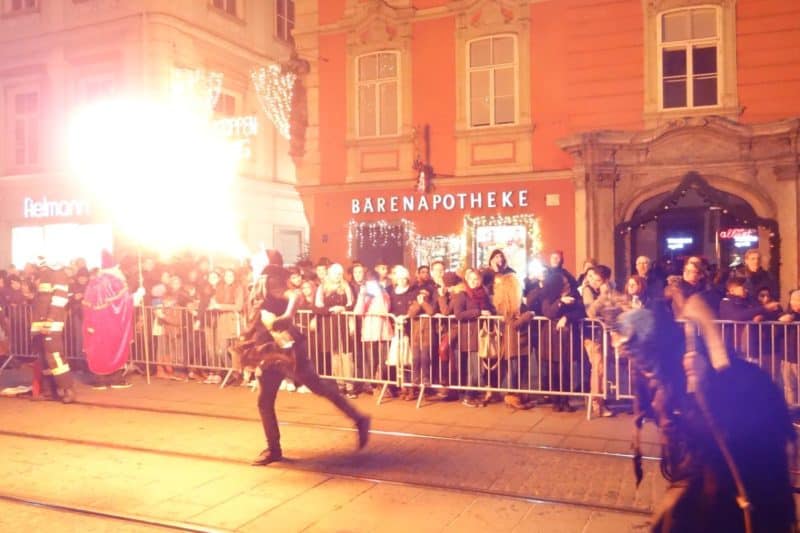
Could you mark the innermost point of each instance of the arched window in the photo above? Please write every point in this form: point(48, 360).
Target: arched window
point(378, 110)
point(492, 80)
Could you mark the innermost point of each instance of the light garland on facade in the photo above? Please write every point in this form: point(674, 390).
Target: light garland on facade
point(274, 89)
point(197, 87)
point(528, 221)
point(380, 234)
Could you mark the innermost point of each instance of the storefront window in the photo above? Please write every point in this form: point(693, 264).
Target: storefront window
point(512, 240)
point(60, 243)
point(447, 248)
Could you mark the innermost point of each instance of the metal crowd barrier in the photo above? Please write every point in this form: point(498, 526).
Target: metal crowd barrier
point(427, 354)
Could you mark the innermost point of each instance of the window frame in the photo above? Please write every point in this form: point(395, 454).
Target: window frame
point(653, 113)
point(238, 13)
point(287, 25)
point(29, 164)
point(377, 83)
point(688, 46)
point(9, 10)
point(468, 85)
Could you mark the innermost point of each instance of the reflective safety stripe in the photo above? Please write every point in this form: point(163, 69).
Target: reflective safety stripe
point(45, 287)
point(47, 326)
point(58, 301)
point(60, 287)
point(61, 366)
point(61, 369)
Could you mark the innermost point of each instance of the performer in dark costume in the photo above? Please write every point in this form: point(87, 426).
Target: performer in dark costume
point(279, 349)
point(724, 426)
point(47, 331)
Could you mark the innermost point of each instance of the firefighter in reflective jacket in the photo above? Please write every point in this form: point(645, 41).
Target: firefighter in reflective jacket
point(47, 331)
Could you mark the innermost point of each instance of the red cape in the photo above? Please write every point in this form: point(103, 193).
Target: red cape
point(107, 322)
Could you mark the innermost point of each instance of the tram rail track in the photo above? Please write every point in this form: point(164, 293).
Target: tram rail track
point(373, 431)
point(167, 525)
point(291, 465)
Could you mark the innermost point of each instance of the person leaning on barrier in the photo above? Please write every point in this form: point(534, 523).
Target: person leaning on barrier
point(372, 302)
point(562, 304)
point(517, 356)
point(420, 314)
point(596, 291)
point(468, 305)
point(789, 364)
point(446, 331)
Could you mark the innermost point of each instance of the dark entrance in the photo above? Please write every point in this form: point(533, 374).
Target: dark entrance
point(694, 219)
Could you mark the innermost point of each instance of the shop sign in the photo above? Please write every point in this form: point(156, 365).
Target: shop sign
point(741, 237)
point(44, 208)
point(412, 203)
point(737, 233)
point(240, 130)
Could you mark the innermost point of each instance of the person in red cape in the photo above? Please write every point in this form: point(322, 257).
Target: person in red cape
point(108, 325)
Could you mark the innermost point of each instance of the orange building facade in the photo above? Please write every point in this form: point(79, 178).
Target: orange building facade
point(606, 129)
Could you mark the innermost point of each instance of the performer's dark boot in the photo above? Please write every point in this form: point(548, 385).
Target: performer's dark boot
point(266, 457)
point(362, 424)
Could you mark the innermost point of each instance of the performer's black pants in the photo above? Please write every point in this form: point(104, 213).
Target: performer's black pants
point(302, 374)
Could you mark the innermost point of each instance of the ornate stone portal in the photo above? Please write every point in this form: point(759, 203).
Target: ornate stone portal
point(616, 171)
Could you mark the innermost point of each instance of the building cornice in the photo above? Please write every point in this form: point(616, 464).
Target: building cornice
point(544, 175)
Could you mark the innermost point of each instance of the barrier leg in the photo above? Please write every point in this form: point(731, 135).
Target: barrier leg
point(8, 360)
point(227, 377)
point(383, 391)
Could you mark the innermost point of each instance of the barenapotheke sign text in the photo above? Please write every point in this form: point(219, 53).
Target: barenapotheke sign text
point(414, 203)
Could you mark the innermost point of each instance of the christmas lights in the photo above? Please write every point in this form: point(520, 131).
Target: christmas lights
point(196, 87)
point(380, 234)
point(529, 222)
point(274, 88)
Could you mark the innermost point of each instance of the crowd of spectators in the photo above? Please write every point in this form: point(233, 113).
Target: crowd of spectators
point(196, 311)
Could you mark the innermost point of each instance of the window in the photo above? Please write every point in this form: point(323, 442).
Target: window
point(290, 242)
point(378, 98)
point(226, 105)
point(689, 46)
point(24, 128)
point(284, 19)
point(228, 6)
point(21, 5)
point(492, 71)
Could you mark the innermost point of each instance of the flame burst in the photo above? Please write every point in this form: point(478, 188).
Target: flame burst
point(161, 172)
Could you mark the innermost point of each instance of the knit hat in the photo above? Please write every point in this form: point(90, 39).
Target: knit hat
point(451, 279)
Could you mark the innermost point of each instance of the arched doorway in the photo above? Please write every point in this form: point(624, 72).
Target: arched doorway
point(695, 219)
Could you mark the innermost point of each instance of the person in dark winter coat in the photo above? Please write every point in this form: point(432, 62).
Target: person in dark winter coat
point(561, 348)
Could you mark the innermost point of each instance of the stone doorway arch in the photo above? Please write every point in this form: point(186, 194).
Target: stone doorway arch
point(699, 219)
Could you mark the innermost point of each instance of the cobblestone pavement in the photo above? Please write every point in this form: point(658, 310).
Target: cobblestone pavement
point(194, 468)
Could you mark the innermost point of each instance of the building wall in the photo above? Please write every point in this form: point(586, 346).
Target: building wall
point(63, 45)
point(588, 78)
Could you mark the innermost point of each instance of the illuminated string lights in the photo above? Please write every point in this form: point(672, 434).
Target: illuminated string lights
point(380, 234)
point(528, 221)
point(274, 88)
point(196, 87)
